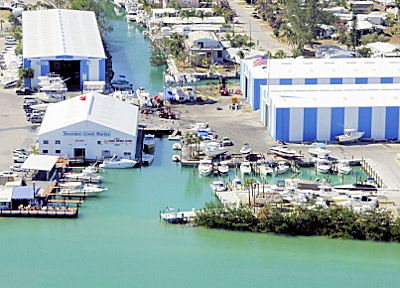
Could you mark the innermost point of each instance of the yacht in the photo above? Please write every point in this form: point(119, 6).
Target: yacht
point(87, 175)
point(218, 186)
point(350, 135)
point(323, 166)
point(147, 159)
point(265, 169)
point(344, 167)
point(148, 142)
point(319, 151)
point(51, 96)
point(205, 167)
point(282, 167)
point(214, 150)
point(245, 168)
point(88, 189)
point(283, 151)
point(115, 163)
point(223, 167)
point(245, 149)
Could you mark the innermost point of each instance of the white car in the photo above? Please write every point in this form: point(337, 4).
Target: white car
point(8, 174)
point(19, 158)
point(20, 151)
point(16, 168)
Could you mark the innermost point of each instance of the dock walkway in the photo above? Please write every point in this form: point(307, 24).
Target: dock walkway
point(178, 217)
point(47, 213)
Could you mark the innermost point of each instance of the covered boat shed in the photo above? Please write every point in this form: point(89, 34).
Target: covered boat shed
point(66, 42)
point(45, 165)
point(307, 113)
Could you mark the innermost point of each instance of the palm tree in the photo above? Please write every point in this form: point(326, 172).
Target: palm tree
point(26, 73)
point(249, 184)
point(1, 24)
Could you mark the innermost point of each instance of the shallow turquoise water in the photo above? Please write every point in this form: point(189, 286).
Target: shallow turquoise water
point(118, 240)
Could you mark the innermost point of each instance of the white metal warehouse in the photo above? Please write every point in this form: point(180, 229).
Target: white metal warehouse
point(308, 113)
point(66, 42)
point(92, 126)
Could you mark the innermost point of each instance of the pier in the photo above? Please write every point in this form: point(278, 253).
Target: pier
point(48, 212)
point(177, 217)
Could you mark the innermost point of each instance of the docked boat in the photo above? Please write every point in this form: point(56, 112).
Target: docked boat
point(121, 83)
point(148, 142)
point(323, 166)
point(214, 150)
point(144, 97)
point(223, 167)
point(205, 167)
point(283, 151)
point(87, 189)
point(176, 158)
point(118, 12)
point(245, 168)
point(52, 96)
point(265, 169)
point(177, 146)
point(115, 163)
point(218, 186)
point(147, 159)
point(245, 149)
point(282, 167)
point(344, 167)
point(370, 187)
point(350, 135)
point(87, 175)
point(319, 151)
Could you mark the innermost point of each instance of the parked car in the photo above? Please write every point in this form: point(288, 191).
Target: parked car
point(8, 174)
point(16, 168)
point(25, 91)
point(226, 141)
point(9, 40)
point(36, 119)
point(255, 15)
point(21, 151)
point(19, 158)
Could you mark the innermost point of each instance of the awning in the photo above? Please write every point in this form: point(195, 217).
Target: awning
point(24, 192)
point(40, 162)
point(6, 193)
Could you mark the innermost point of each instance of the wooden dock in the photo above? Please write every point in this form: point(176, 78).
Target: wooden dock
point(178, 217)
point(44, 213)
point(66, 201)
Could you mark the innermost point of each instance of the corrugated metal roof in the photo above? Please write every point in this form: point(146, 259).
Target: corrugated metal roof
point(97, 108)
point(59, 32)
point(40, 162)
point(349, 95)
point(24, 192)
point(327, 68)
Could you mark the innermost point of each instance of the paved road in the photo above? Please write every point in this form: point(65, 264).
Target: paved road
point(260, 36)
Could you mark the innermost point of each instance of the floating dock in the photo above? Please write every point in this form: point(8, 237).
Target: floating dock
point(178, 217)
point(45, 213)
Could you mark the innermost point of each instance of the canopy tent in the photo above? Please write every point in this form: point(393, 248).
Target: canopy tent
point(24, 192)
point(40, 162)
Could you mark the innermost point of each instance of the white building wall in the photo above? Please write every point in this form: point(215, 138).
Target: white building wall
point(93, 69)
point(86, 135)
point(35, 65)
point(324, 124)
point(351, 117)
point(296, 124)
point(378, 122)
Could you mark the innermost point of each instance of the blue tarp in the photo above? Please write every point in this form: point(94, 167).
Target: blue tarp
point(169, 95)
point(24, 192)
point(202, 134)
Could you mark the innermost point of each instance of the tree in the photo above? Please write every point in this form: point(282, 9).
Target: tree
point(1, 24)
point(14, 20)
point(26, 73)
point(59, 3)
point(249, 184)
point(354, 32)
point(280, 54)
point(365, 52)
point(157, 58)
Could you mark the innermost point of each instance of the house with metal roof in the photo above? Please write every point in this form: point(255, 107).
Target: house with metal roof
point(66, 42)
point(91, 126)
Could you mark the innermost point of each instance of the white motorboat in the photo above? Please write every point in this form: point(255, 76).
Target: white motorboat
point(87, 175)
point(218, 186)
point(245, 168)
point(177, 146)
point(19, 158)
point(131, 15)
point(50, 97)
point(176, 158)
point(144, 97)
point(205, 167)
point(350, 135)
point(121, 83)
point(245, 149)
point(87, 189)
point(115, 163)
point(323, 166)
point(283, 151)
point(344, 167)
point(319, 151)
point(147, 159)
point(148, 142)
point(118, 12)
point(214, 150)
point(265, 169)
point(223, 167)
point(282, 167)
point(124, 95)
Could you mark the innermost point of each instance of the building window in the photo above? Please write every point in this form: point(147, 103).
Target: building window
point(45, 151)
point(285, 81)
point(361, 80)
point(58, 151)
point(58, 142)
point(219, 54)
point(127, 154)
point(45, 141)
point(387, 80)
point(99, 142)
point(336, 81)
point(311, 81)
point(106, 153)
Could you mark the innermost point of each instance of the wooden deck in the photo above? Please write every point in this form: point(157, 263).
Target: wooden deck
point(66, 201)
point(49, 189)
point(45, 213)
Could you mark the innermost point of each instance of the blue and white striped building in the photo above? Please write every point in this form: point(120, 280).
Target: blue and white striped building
point(315, 99)
point(63, 41)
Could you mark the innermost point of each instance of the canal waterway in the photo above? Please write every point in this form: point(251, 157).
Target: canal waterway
point(119, 241)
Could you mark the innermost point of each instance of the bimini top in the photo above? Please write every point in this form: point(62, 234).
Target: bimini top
point(94, 107)
point(59, 32)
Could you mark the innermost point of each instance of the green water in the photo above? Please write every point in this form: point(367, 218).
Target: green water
point(118, 240)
